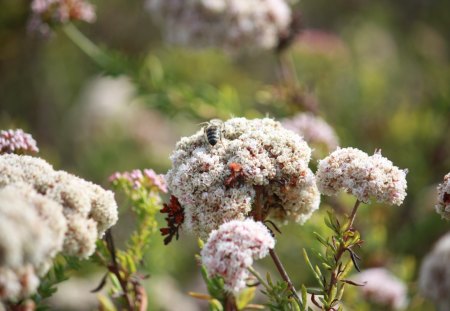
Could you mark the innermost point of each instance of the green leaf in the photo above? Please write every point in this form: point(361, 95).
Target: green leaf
point(105, 303)
point(215, 305)
point(316, 275)
point(245, 297)
point(321, 239)
point(314, 291)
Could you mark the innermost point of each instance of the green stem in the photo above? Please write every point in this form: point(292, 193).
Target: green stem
point(353, 214)
point(284, 274)
point(340, 252)
point(86, 45)
point(258, 277)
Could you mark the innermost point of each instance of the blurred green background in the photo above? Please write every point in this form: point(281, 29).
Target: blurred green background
point(378, 71)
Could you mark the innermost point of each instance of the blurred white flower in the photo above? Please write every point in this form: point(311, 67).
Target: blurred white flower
point(443, 199)
point(16, 283)
point(231, 249)
point(229, 24)
point(32, 230)
point(314, 130)
point(382, 288)
point(362, 175)
point(110, 109)
point(434, 277)
point(217, 184)
point(88, 208)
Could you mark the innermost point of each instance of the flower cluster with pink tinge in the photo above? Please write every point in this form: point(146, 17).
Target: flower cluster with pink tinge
point(382, 288)
point(17, 141)
point(443, 203)
point(216, 184)
point(138, 178)
point(231, 249)
point(314, 130)
point(232, 25)
point(46, 13)
point(361, 175)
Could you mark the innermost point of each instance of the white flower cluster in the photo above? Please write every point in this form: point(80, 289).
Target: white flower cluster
point(32, 231)
point(382, 288)
point(216, 184)
point(434, 278)
point(314, 130)
point(443, 204)
point(231, 249)
point(49, 12)
point(362, 175)
point(232, 25)
point(88, 208)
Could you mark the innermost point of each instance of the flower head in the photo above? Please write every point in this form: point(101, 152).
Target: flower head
point(362, 175)
point(140, 178)
point(434, 278)
point(314, 130)
point(88, 208)
point(231, 249)
point(229, 24)
point(216, 184)
point(46, 13)
point(32, 229)
point(443, 204)
point(382, 288)
point(17, 141)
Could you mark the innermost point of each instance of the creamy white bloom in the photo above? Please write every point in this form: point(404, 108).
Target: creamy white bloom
point(16, 283)
point(443, 204)
point(314, 130)
point(362, 175)
point(93, 208)
point(382, 288)
point(231, 249)
point(229, 24)
point(216, 184)
point(434, 278)
point(32, 229)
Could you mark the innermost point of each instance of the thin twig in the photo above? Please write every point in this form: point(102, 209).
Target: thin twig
point(114, 268)
point(284, 274)
point(353, 214)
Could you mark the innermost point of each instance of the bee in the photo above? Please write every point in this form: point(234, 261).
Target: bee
point(213, 131)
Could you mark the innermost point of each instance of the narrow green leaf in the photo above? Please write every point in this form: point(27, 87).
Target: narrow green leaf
point(314, 291)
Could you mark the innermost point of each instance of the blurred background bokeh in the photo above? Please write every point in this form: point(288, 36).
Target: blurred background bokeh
point(377, 72)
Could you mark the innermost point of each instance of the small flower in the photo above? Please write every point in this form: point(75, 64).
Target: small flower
point(362, 175)
point(46, 13)
point(17, 141)
point(231, 249)
point(137, 179)
point(443, 204)
point(314, 130)
point(229, 24)
point(434, 277)
point(217, 184)
point(382, 288)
